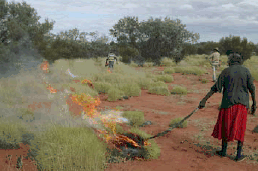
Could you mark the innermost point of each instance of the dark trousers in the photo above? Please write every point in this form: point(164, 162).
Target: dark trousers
point(111, 64)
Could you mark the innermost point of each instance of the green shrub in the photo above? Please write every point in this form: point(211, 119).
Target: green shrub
point(179, 90)
point(169, 70)
point(159, 91)
point(114, 94)
point(135, 117)
point(131, 89)
point(177, 120)
point(165, 78)
point(102, 86)
point(153, 151)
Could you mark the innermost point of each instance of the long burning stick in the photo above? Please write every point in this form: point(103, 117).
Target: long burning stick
point(173, 126)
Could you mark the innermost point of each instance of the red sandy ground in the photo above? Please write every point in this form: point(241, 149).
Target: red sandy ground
point(178, 151)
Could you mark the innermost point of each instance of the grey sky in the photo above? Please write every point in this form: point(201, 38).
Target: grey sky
point(211, 19)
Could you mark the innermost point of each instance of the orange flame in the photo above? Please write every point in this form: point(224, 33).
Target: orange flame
point(44, 66)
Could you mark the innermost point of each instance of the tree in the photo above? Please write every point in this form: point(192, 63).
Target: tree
point(235, 44)
point(164, 38)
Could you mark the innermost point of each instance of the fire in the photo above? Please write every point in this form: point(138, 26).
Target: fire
point(109, 71)
point(51, 89)
point(44, 66)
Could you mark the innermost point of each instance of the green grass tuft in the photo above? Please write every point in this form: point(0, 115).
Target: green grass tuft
point(165, 78)
point(169, 70)
point(174, 121)
point(102, 87)
point(136, 117)
point(179, 90)
point(114, 94)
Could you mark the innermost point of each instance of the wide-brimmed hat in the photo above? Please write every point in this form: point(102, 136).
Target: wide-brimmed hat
point(217, 49)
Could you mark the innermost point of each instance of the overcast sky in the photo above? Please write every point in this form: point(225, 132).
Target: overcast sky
point(211, 19)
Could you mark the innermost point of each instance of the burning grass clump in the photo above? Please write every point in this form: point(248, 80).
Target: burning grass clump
point(153, 150)
point(102, 87)
point(179, 90)
point(114, 94)
point(81, 88)
point(136, 118)
point(166, 78)
point(131, 89)
point(119, 129)
point(169, 70)
point(176, 120)
point(69, 148)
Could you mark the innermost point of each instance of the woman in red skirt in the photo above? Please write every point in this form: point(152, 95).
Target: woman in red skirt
point(236, 82)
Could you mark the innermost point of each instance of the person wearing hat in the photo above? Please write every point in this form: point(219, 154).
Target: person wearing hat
point(235, 82)
point(111, 59)
point(214, 57)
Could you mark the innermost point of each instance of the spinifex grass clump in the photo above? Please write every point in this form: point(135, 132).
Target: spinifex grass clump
point(70, 149)
point(114, 94)
point(131, 89)
point(167, 62)
point(179, 90)
point(159, 88)
point(153, 150)
point(169, 70)
point(87, 102)
point(177, 120)
point(102, 87)
point(166, 78)
point(144, 83)
point(136, 118)
point(159, 91)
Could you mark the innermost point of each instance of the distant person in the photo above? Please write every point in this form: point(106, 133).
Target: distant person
point(215, 62)
point(111, 59)
point(236, 82)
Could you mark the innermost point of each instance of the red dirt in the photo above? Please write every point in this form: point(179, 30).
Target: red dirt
point(178, 149)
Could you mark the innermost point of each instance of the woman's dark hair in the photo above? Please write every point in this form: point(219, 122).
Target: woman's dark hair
point(235, 57)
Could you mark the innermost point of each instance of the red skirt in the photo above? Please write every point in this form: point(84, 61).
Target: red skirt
point(231, 123)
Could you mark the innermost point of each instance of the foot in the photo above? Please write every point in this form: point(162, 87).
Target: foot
point(220, 153)
point(238, 159)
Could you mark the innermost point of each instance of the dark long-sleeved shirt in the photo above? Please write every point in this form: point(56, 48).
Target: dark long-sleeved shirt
point(237, 82)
